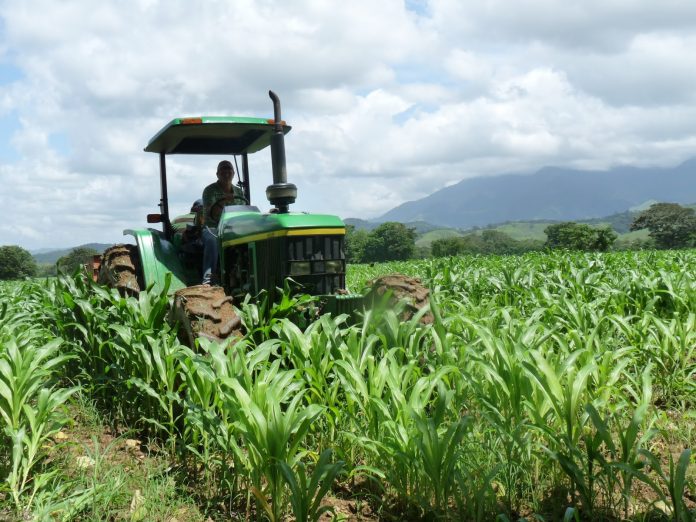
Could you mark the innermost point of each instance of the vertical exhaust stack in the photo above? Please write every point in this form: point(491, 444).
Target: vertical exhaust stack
point(281, 194)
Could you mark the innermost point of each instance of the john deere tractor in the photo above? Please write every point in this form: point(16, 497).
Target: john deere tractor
point(258, 250)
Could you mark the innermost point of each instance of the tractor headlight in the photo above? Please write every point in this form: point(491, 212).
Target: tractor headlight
point(333, 267)
point(298, 268)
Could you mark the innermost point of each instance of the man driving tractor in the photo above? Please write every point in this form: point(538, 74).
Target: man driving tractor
point(215, 197)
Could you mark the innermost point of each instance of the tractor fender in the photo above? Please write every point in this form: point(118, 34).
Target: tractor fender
point(158, 257)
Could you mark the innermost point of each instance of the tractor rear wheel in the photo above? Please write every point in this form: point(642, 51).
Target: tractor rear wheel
point(205, 311)
point(403, 288)
point(120, 268)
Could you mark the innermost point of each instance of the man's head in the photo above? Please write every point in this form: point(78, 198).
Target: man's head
point(225, 172)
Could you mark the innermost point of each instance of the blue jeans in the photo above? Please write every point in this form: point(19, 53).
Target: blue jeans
point(211, 255)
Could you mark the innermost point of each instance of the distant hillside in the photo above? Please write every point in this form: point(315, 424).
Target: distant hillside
point(442, 233)
point(421, 227)
point(551, 193)
point(45, 256)
point(523, 230)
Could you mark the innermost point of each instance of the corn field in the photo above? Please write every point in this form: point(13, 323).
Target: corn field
point(549, 387)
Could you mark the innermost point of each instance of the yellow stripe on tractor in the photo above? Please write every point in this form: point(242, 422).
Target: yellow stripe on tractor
point(287, 232)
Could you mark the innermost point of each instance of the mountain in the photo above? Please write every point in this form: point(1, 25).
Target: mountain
point(48, 256)
point(551, 193)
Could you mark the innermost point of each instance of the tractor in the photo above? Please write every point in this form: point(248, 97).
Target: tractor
point(258, 250)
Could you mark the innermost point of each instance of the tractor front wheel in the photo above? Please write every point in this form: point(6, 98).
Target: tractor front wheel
point(400, 287)
point(120, 269)
point(205, 311)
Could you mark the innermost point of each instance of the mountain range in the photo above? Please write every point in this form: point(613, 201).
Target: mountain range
point(51, 255)
point(551, 193)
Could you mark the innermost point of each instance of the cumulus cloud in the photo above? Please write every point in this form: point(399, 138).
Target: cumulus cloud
point(389, 101)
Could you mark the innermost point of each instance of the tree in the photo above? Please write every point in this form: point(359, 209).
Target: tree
point(390, 242)
point(355, 244)
point(490, 241)
point(604, 239)
point(74, 259)
point(497, 242)
point(446, 247)
point(16, 263)
point(670, 225)
point(578, 236)
point(45, 269)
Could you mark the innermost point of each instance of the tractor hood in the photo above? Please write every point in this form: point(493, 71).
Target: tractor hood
point(241, 226)
point(214, 135)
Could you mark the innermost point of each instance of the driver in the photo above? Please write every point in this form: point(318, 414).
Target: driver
point(215, 197)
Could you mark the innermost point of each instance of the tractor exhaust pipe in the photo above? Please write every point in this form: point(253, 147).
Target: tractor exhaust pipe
point(281, 194)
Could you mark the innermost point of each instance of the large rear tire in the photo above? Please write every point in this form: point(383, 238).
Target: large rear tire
point(205, 311)
point(120, 269)
point(403, 288)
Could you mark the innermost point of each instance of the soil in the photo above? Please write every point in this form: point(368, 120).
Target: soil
point(345, 509)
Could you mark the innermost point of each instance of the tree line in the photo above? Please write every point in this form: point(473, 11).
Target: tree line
point(669, 226)
point(18, 263)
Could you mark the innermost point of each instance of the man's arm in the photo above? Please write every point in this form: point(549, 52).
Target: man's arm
point(210, 197)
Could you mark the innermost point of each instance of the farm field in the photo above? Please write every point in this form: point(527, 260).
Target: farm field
point(547, 387)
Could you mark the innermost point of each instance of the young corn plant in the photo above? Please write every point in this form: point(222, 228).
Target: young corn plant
point(439, 445)
point(31, 407)
point(307, 491)
point(565, 389)
point(273, 424)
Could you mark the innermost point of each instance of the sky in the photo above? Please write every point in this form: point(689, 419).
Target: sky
point(389, 100)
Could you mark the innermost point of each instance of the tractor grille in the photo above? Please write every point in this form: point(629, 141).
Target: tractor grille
point(318, 263)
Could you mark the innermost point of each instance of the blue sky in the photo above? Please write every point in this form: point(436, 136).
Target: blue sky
point(389, 101)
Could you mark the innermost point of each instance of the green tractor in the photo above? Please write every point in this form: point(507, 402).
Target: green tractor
point(258, 250)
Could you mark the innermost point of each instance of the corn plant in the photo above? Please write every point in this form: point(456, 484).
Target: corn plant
point(272, 435)
point(307, 492)
point(31, 405)
point(674, 479)
point(531, 380)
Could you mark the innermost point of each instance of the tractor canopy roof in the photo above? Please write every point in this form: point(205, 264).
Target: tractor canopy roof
point(214, 135)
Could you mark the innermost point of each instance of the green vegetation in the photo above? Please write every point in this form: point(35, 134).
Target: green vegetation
point(487, 241)
point(670, 225)
point(76, 258)
point(636, 240)
point(16, 263)
point(577, 236)
point(524, 230)
point(427, 239)
point(549, 385)
point(388, 242)
point(356, 240)
point(662, 225)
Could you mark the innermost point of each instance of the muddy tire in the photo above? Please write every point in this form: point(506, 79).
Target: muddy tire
point(120, 269)
point(205, 311)
point(403, 288)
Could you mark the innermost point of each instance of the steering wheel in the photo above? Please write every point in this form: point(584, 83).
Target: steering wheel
point(217, 207)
